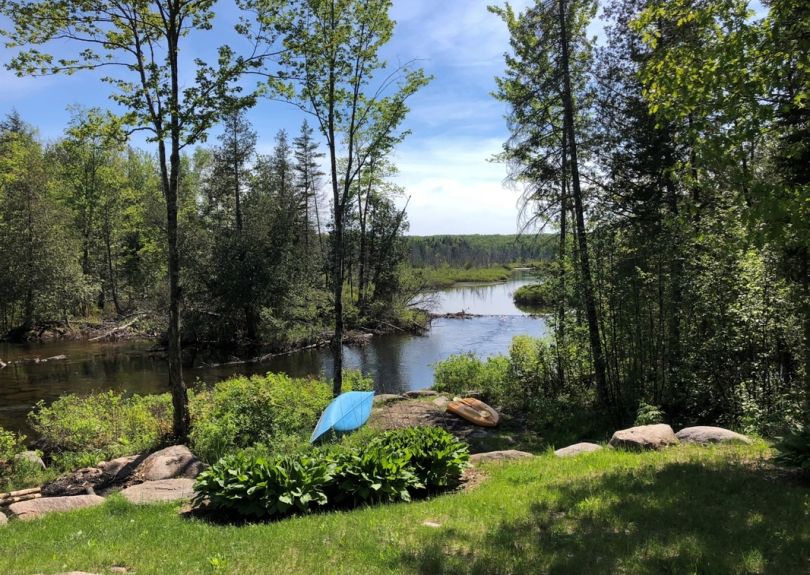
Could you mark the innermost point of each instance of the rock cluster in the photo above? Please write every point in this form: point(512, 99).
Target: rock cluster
point(166, 475)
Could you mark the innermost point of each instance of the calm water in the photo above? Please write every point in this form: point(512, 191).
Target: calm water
point(398, 362)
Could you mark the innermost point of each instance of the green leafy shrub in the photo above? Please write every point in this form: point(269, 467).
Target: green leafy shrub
point(10, 445)
point(438, 459)
point(648, 414)
point(274, 409)
point(392, 466)
point(465, 372)
point(102, 425)
point(794, 449)
point(242, 411)
point(373, 474)
point(251, 485)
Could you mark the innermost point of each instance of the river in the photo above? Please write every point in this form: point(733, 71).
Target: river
point(397, 362)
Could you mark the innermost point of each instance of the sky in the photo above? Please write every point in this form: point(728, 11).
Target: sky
point(456, 125)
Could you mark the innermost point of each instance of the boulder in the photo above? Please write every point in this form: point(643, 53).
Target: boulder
point(174, 461)
point(577, 448)
point(3, 519)
point(30, 457)
point(120, 468)
point(441, 402)
point(705, 434)
point(160, 491)
point(383, 398)
point(506, 455)
point(416, 393)
point(644, 437)
point(27, 510)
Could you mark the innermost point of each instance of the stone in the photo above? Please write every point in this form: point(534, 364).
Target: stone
point(27, 510)
point(441, 402)
point(160, 491)
point(3, 519)
point(705, 434)
point(577, 448)
point(174, 461)
point(641, 437)
point(416, 393)
point(505, 455)
point(30, 457)
point(120, 468)
point(384, 398)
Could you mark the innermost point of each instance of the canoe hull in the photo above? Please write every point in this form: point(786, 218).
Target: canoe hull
point(474, 411)
point(347, 412)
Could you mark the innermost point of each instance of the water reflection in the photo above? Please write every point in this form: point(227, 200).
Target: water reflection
point(398, 362)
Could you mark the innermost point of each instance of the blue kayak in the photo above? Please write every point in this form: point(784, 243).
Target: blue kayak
point(347, 412)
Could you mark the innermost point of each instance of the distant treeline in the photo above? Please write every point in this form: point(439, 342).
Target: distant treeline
point(479, 250)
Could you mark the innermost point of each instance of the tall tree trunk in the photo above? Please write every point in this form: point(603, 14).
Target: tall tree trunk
point(337, 251)
point(587, 284)
point(362, 274)
point(171, 182)
point(562, 303)
point(111, 272)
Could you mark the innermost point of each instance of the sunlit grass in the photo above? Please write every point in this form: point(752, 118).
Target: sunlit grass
point(686, 510)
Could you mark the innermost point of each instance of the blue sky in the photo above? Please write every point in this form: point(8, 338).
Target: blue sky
point(456, 125)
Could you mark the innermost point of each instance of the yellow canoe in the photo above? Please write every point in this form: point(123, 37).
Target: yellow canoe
point(474, 411)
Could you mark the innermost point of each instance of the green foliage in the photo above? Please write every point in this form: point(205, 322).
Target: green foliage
point(459, 374)
point(648, 414)
point(389, 467)
point(102, 425)
point(459, 253)
point(242, 411)
point(436, 456)
point(10, 445)
point(274, 409)
point(256, 486)
point(794, 449)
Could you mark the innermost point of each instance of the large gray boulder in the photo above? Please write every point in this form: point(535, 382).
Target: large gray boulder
point(174, 461)
point(27, 510)
point(576, 449)
point(705, 434)
point(505, 455)
point(120, 468)
point(160, 491)
point(31, 458)
point(655, 436)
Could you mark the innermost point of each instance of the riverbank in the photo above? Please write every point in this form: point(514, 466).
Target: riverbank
point(603, 512)
point(443, 277)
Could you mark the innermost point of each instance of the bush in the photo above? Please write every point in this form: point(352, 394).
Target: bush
point(648, 414)
point(255, 486)
point(10, 445)
point(459, 374)
point(102, 425)
point(271, 409)
point(436, 456)
point(392, 466)
point(794, 449)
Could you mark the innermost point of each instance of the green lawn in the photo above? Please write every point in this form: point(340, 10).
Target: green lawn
point(686, 510)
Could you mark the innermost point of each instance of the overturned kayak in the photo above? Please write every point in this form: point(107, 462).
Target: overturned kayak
point(474, 411)
point(347, 412)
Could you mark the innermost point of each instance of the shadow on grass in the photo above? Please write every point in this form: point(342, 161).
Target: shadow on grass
point(680, 518)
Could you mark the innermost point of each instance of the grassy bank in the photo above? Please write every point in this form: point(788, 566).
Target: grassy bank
point(685, 510)
point(445, 276)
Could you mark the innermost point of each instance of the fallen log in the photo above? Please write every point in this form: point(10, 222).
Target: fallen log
point(11, 500)
point(115, 330)
point(19, 492)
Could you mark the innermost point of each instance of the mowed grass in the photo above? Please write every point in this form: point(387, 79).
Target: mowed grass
point(687, 510)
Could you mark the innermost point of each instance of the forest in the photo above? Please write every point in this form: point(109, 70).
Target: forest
point(646, 411)
point(673, 160)
point(84, 226)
